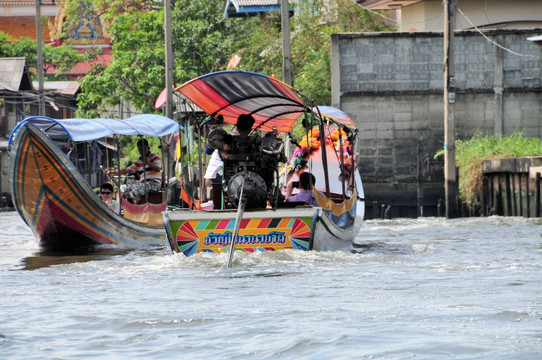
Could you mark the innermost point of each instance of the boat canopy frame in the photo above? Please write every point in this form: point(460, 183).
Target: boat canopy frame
point(89, 131)
point(78, 129)
point(228, 94)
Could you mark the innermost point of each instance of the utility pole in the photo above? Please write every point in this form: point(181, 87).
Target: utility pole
point(286, 59)
point(450, 172)
point(169, 59)
point(40, 59)
point(169, 164)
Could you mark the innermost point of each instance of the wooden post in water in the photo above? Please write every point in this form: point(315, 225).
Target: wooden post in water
point(509, 206)
point(537, 195)
point(387, 213)
point(528, 194)
point(420, 179)
point(522, 211)
point(484, 201)
point(500, 196)
point(492, 197)
point(517, 194)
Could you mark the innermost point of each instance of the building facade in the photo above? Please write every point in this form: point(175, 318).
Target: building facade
point(392, 86)
point(427, 15)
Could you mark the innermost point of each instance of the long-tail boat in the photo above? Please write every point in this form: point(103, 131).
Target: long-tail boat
point(55, 165)
point(251, 215)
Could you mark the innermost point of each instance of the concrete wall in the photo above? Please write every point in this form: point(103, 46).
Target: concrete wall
point(391, 84)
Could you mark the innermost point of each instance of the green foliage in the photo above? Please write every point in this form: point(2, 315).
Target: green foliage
point(310, 44)
point(262, 52)
point(137, 72)
point(298, 131)
point(62, 57)
point(130, 151)
point(190, 158)
point(5, 45)
point(470, 155)
point(204, 41)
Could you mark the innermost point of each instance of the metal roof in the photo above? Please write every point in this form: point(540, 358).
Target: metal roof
point(535, 38)
point(60, 87)
point(242, 8)
point(386, 4)
point(14, 74)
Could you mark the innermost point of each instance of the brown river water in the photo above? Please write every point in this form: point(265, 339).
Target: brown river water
point(426, 288)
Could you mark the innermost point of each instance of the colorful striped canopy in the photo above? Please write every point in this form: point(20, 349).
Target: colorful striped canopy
point(271, 102)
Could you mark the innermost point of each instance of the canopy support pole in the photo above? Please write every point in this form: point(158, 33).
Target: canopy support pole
point(324, 151)
point(343, 172)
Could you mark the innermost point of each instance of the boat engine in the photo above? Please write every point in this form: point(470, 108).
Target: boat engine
point(254, 190)
point(252, 157)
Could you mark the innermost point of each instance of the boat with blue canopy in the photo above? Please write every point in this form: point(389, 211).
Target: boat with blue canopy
point(55, 165)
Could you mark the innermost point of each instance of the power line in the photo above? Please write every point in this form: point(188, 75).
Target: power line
point(491, 41)
point(440, 15)
point(436, 16)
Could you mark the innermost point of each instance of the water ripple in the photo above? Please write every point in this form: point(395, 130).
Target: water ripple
point(426, 288)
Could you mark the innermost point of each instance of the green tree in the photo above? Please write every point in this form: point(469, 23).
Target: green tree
point(5, 45)
point(310, 43)
point(137, 71)
point(136, 30)
point(62, 57)
point(204, 41)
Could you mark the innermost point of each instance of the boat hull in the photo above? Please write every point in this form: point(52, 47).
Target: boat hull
point(338, 233)
point(60, 207)
point(192, 232)
point(326, 151)
point(304, 228)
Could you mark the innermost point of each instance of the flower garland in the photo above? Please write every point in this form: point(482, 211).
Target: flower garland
point(311, 141)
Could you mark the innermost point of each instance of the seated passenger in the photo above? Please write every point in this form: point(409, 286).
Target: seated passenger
point(244, 125)
point(306, 181)
point(222, 144)
point(106, 191)
point(150, 166)
point(213, 177)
